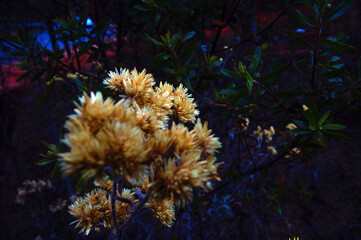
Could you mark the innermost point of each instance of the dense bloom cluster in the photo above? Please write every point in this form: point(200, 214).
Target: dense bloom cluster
point(134, 138)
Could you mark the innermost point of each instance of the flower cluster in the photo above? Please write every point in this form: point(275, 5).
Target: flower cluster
point(94, 210)
point(31, 187)
point(135, 138)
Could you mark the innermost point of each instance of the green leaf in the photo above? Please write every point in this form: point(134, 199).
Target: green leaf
point(76, 36)
point(230, 91)
point(157, 17)
point(254, 63)
point(56, 170)
point(13, 39)
point(23, 76)
point(186, 54)
point(314, 109)
point(305, 19)
point(72, 13)
point(100, 28)
point(343, 7)
point(188, 36)
point(159, 44)
point(333, 126)
point(278, 208)
point(142, 8)
point(296, 37)
point(84, 49)
point(187, 83)
point(80, 184)
point(275, 74)
point(323, 118)
point(249, 82)
point(295, 20)
point(37, 75)
point(336, 136)
point(338, 47)
point(44, 161)
point(161, 57)
point(309, 6)
point(229, 73)
point(83, 16)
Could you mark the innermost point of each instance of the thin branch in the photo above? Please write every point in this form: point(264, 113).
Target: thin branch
point(126, 200)
point(132, 216)
point(261, 167)
point(218, 34)
point(260, 33)
point(280, 102)
point(114, 209)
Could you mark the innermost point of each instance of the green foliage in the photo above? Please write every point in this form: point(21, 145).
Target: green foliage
point(242, 78)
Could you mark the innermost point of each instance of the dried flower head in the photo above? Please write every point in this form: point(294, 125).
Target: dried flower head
point(163, 211)
point(184, 106)
point(115, 80)
point(104, 183)
point(104, 134)
point(178, 178)
point(92, 211)
point(146, 119)
point(139, 86)
point(205, 139)
point(182, 139)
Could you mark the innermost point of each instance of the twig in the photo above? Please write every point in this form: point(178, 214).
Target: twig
point(218, 34)
point(126, 200)
point(114, 210)
point(315, 53)
point(132, 216)
point(272, 95)
point(269, 164)
point(261, 32)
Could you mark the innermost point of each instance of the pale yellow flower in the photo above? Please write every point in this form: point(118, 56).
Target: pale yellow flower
point(272, 130)
point(245, 124)
point(272, 150)
point(296, 150)
point(304, 107)
point(291, 126)
point(258, 133)
point(268, 135)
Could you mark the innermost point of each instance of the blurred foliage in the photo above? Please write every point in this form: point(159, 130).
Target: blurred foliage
point(245, 75)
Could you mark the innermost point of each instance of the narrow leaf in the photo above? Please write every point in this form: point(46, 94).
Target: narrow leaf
point(323, 118)
point(296, 37)
point(333, 126)
point(338, 47)
point(343, 7)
